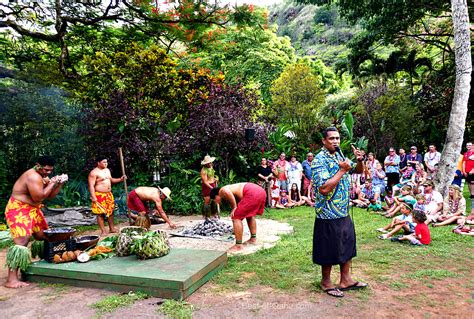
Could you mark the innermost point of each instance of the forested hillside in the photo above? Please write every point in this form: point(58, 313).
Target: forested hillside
point(317, 31)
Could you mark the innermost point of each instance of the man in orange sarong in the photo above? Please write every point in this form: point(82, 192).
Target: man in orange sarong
point(100, 187)
point(23, 214)
point(246, 200)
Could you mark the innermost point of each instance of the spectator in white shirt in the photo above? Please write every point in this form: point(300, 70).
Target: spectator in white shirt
point(432, 158)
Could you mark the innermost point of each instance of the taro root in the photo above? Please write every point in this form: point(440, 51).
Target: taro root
point(57, 259)
point(65, 256)
point(71, 255)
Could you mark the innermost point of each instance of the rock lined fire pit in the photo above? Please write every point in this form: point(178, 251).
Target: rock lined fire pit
point(209, 228)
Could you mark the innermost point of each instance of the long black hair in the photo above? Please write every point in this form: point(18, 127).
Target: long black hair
point(297, 196)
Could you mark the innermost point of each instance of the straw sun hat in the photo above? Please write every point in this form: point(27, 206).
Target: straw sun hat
point(207, 159)
point(166, 191)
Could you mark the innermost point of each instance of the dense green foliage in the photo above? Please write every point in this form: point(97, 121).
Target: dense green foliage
point(297, 98)
point(172, 84)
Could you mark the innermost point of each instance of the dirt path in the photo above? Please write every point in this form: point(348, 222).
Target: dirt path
point(447, 298)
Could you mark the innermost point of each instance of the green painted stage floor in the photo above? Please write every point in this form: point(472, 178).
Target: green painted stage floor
point(176, 275)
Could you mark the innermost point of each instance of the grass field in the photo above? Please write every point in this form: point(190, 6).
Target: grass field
point(288, 265)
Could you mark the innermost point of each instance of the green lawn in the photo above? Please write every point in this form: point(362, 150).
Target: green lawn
point(288, 265)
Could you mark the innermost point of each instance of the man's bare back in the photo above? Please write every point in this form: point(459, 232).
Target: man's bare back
point(153, 194)
point(235, 189)
point(148, 194)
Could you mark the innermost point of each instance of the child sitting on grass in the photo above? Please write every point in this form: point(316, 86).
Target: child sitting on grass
point(420, 203)
point(402, 222)
point(405, 197)
point(388, 199)
point(275, 192)
point(284, 201)
point(422, 234)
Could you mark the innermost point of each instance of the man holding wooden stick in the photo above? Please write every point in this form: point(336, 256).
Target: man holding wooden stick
point(100, 187)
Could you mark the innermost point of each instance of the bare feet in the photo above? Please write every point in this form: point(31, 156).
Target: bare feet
point(103, 233)
point(16, 284)
point(114, 230)
point(251, 241)
point(235, 248)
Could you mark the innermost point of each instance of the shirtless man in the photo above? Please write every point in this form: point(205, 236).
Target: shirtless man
point(251, 202)
point(23, 213)
point(142, 194)
point(100, 187)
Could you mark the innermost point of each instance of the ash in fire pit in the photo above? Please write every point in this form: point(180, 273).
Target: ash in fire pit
point(209, 228)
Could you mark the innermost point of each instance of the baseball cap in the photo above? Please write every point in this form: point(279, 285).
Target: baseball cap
point(413, 148)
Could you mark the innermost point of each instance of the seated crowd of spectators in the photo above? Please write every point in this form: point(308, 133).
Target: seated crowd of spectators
point(401, 188)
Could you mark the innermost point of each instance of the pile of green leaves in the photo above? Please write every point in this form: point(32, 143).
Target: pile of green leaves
point(152, 244)
point(18, 257)
point(110, 242)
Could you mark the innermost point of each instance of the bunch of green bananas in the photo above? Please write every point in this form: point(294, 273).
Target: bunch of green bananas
point(152, 244)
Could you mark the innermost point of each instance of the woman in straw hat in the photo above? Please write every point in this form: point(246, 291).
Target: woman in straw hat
point(209, 181)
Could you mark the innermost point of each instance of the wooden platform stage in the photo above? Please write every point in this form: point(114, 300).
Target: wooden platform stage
point(174, 276)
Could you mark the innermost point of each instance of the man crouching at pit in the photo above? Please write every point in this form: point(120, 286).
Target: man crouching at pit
point(246, 201)
point(24, 216)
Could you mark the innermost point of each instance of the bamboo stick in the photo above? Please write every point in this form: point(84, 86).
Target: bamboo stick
point(125, 184)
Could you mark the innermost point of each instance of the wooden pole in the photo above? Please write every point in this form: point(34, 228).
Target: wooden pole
point(125, 184)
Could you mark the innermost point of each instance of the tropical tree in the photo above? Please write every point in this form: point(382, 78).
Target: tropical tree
point(217, 126)
point(457, 118)
point(399, 19)
point(297, 97)
point(51, 22)
point(253, 56)
point(135, 98)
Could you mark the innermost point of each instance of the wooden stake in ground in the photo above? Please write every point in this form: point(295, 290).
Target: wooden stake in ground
point(125, 184)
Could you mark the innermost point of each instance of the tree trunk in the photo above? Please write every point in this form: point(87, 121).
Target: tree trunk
point(457, 119)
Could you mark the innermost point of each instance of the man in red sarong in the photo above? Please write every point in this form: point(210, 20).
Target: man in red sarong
point(23, 214)
point(140, 195)
point(100, 187)
point(246, 200)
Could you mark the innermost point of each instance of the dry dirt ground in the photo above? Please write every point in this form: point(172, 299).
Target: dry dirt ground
point(43, 301)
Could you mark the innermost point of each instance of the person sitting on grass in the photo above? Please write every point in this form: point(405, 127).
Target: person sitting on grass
point(402, 222)
point(454, 207)
point(418, 178)
point(284, 200)
point(420, 203)
point(462, 228)
point(378, 178)
point(405, 197)
point(354, 188)
point(295, 198)
point(434, 201)
point(422, 234)
point(404, 180)
point(275, 192)
point(367, 194)
point(388, 199)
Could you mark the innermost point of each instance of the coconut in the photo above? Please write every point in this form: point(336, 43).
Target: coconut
point(83, 257)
